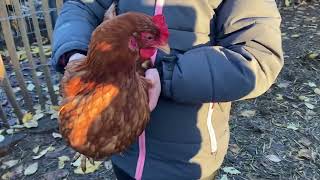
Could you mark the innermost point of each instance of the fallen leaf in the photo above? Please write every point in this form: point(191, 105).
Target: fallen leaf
point(273, 158)
point(17, 126)
point(62, 160)
point(311, 84)
point(39, 73)
point(304, 141)
point(55, 108)
point(90, 168)
point(27, 117)
point(38, 116)
point(56, 88)
point(306, 154)
point(310, 113)
point(35, 49)
point(13, 174)
point(7, 176)
point(108, 165)
point(234, 148)
point(56, 135)
point(224, 177)
point(76, 163)
point(16, 89)
point(12, 74)
point(30, 87)
point(279, 97)
point(54, 116)
point(36, 149)
point(283, 84)
point(31, 169)
point(310, 106)
point(295, 106)
point(292, 126)
point(2, 138)
point(231, 170)
point(37, 108)
point(9, 164)
point(295, 35)
point(248, 113)
point(9, 131)
point(31, 124)
point(317, 91)
point(304, 98)
point(56, 153)
point(312, 56)
point(57, 174)
point(22, 55)
point(47, 48)
point(43, 152)
point(47, 53)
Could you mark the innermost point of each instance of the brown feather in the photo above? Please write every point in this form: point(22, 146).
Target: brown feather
point(105, 102)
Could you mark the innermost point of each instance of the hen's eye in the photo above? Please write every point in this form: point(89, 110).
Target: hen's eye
point(149, 37)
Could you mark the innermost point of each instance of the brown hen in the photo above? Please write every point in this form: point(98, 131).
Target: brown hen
point(105, 103)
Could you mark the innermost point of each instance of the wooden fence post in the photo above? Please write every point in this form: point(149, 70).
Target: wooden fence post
point(13, 54)
point(3, 116)
point(43, 59)
point(26, 43)
point(47, 18)
point(11, 96)
point(2, 69)
point(59, 4)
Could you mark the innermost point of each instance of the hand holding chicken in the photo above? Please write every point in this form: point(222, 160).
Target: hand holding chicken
point(105, 103)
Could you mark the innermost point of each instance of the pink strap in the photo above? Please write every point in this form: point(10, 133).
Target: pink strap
point(142, 137)
point(158, 10)
point(142, 156)
point(159, 7)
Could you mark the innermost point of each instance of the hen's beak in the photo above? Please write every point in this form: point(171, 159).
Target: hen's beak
point(165, 48)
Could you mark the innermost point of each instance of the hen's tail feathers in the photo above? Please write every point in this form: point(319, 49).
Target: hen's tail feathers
point(111, 12)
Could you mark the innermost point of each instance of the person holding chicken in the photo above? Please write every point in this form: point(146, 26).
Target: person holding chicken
point(220, 52)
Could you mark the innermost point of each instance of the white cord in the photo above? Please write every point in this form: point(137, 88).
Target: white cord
point(213, 140)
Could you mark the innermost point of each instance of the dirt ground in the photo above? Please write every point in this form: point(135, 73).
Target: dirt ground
point(276, 136)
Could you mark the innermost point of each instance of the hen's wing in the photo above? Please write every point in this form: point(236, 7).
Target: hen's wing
point(71, 82)
point(111, 12)
point(106, 120)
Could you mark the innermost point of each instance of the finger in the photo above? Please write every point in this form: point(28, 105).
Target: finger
point(152, 100)
point(76, 56)
point(154, 94)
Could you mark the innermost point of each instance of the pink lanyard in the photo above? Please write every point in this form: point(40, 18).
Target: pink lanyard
point(142, 137)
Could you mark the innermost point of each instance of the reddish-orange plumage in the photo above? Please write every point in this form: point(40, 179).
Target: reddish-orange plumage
point(105, 103)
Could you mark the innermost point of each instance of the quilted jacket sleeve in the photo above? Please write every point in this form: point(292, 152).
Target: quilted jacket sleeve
point(74, 27)
point(243, 62)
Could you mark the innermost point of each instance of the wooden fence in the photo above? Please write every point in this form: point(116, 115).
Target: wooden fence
point(11, 12)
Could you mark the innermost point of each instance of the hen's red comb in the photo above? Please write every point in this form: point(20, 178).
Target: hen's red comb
point(160, 22)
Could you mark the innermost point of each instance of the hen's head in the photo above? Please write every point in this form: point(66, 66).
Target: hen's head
point(126, 38)
point(151, 34)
